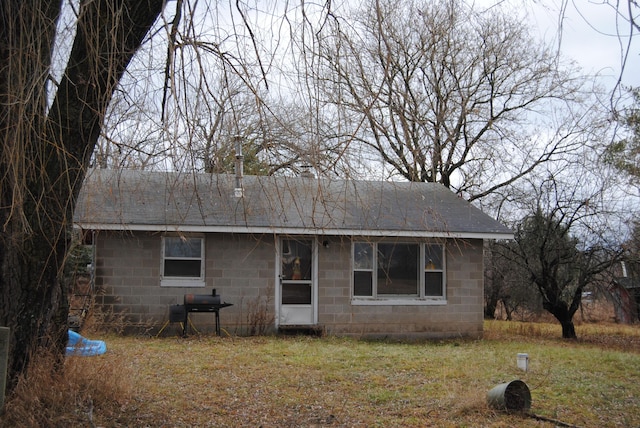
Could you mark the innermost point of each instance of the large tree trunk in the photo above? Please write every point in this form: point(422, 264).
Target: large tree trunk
point(491, 300)
point(490, 306)
point(568, 329)
point(44, 153)
point(564, 315)
point(30, 249)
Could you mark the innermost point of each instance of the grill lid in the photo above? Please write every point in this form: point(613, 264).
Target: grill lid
point(202, 299)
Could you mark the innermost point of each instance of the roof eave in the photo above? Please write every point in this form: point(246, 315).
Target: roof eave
point(494, 235)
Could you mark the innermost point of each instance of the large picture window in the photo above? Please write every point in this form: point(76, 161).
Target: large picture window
point(388, 270)
point(397, 269)
point(182, 261)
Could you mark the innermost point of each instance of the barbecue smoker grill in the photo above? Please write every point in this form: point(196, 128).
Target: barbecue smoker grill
point(203, 303)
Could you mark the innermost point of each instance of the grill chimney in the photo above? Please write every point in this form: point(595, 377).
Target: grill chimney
point(239, 189)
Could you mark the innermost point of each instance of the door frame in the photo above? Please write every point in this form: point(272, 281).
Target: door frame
point(313, 316)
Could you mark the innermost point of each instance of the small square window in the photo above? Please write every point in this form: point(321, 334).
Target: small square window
point(182, 261)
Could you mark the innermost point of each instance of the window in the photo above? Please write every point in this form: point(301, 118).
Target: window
point(385, 271)
point(433, 271)
point(397, 267)
point(362, 269)
point(296, 271)
point(182, 261)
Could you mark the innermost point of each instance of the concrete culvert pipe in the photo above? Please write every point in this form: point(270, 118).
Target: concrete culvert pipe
point(510, 396)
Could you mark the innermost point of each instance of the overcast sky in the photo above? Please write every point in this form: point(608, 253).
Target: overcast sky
point(591, 34)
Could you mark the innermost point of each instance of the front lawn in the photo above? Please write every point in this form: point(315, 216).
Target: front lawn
point(314, 382)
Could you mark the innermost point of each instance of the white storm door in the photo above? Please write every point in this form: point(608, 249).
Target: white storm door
point(298, 295)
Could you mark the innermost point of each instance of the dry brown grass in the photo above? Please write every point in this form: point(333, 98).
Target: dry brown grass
point(333, 382)
point(48, 397)
point(606, 335)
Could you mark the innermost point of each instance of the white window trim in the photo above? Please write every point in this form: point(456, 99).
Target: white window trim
point(397, 301)
point(420, 300)
point(183, 281)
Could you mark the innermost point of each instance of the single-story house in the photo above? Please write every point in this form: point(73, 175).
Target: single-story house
point(357, 258)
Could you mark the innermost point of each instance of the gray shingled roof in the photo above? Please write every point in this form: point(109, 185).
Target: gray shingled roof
point(159, 201)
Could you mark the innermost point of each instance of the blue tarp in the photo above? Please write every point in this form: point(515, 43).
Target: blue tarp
point(78, 345)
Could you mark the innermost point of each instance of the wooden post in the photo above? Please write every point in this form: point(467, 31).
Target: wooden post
point(4, 358)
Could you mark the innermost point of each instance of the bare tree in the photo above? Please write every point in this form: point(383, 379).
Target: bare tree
point(211, 91)
point(45, 149)
point(49, 137)
point(443, 93)
point(506, 284)
point(564, 243)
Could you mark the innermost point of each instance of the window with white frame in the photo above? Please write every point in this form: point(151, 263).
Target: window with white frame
point(182, 261)
point(433, 270)
point(388, 270)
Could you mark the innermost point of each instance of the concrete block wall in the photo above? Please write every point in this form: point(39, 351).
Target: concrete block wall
point(242, 270)
point(334, 284)
point(462, 316)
